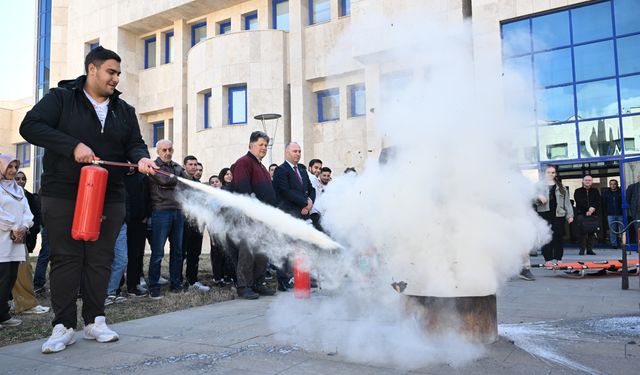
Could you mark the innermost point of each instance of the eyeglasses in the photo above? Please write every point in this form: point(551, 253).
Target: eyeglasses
point(20, 179)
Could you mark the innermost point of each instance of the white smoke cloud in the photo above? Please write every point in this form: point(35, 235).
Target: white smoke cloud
point(450, 215)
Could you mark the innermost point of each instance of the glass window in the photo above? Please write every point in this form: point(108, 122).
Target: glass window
point(251, 21)
point(518, 68)
point(597, 99)
point(555, 104)
point(599, 137)
point(150, 52)
point(23, 154)
point(206, 108)
point(629, 54)
point(516, 38)
point(592, 22)
point(158, 131)
point(358, 101)
point(198, 33)
point(328, 105)
point(627, 16)
point(238, 105)
point(631, 130)
point(319, 11)
point(281, 15)
point(630, 94)
point(168, 47)
point(550, 31)
point(345, 8)
point(553, 67)
point(594, 60)
point(224, 27)
point(525, 145)
point(557, 142)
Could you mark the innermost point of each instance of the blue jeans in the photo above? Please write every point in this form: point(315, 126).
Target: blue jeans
point(40, 274)
point(166, 224)
point(119, 261)
point(613, 238)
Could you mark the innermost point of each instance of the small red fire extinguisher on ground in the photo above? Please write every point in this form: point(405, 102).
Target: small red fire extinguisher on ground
point(301, 277)
point(87, 216)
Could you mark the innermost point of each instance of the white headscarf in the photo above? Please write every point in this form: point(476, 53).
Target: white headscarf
point(9, 185)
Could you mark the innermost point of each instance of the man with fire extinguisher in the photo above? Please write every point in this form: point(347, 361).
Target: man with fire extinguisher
point(76, 122)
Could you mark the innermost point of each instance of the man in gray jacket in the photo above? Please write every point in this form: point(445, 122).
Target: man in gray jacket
point(166, 220)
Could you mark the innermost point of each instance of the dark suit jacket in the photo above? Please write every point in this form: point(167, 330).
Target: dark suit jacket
point(291, 194)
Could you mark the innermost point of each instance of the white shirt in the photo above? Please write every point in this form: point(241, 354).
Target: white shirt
point(101, 108)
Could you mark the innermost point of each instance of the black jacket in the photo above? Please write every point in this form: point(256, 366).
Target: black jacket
point(64, 118)
point(138, 200)
point(162, 189)
point(291, 194)
point(612, 202)
point(587, 198)
point(34, 206)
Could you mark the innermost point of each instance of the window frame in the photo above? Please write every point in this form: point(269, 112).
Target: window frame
point(230, 91)
point(205, 105)
point(248, 18)
point(23, 153)
point(193, 31)
point(222, 25)
point(345, 8)
point(352, 97)
point(167, 37)
point(147, 41)
point(274, 21)
point(323, 94)
point(155, 126)
point(310, 6)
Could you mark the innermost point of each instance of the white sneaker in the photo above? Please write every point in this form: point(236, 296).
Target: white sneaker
point(143, 283)
point(37, 310)
point(59, 340)
point(11, 322)
point(162, 281)
point(200, 287)
point(99, 331)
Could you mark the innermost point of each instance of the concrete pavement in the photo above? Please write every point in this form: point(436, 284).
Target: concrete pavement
point(571, 326)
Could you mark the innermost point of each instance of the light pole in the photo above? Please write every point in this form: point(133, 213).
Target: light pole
point(267, 117)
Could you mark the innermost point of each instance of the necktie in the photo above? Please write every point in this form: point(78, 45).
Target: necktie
point(295, 169)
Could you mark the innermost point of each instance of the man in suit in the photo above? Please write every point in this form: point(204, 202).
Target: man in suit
point(294, 195)
point(294, 192)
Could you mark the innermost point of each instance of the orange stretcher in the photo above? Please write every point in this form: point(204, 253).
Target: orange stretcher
point(579, 268)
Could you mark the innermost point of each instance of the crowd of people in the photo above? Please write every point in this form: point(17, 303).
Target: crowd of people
point(83, 120)
point(588, 208)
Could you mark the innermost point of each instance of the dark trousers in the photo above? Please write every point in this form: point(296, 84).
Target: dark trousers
point(192, 248)
point(136, 236)
point(40, 274)
point(8, 275)
point(315, 220)
point(250, 266)
point(553, 249)
point(79, 265)
point(222, 264)
point(585, 238)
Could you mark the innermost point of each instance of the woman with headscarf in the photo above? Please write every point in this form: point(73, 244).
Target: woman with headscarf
point(15, 220)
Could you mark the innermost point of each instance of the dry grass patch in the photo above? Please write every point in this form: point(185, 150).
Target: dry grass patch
point(39, 326)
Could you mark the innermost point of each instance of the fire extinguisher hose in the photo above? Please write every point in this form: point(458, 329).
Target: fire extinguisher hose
point(127, 165)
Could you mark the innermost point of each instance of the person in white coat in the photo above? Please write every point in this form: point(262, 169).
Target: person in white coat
point(15, 220)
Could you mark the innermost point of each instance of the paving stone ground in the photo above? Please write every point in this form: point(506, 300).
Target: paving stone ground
point(554, 325)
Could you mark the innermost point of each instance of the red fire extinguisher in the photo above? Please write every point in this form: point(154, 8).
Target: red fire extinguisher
point(301, 277)
point(87, 216)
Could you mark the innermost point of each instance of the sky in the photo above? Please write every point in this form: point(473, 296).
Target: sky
point(17, 42)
